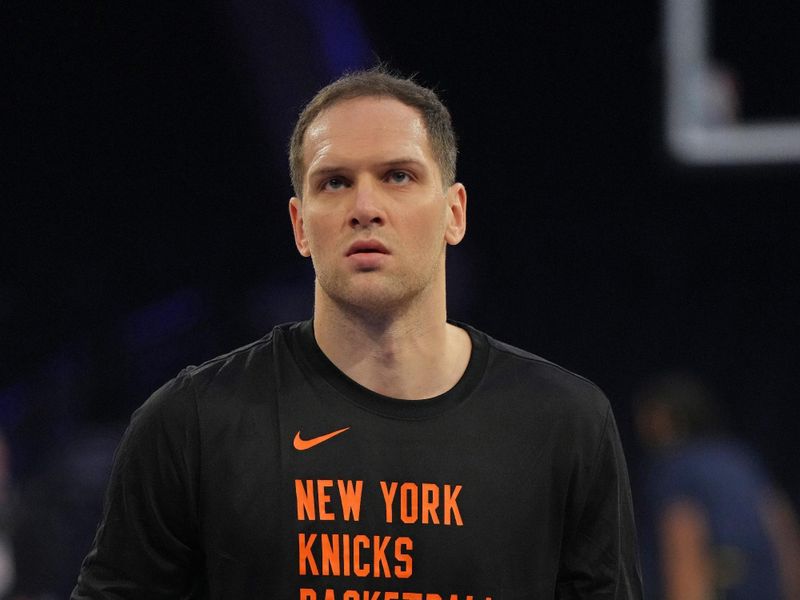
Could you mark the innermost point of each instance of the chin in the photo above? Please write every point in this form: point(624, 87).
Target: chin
point(377, 301)
point(370, 296)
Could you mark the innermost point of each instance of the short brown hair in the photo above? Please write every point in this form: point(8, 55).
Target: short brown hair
point(378, 81)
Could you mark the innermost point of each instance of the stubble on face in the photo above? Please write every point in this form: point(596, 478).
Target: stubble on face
point(378, 294)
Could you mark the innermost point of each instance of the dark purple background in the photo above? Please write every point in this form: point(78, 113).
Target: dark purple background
point(144, 222)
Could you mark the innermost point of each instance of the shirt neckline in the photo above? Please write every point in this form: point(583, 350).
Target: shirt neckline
point(318, 363)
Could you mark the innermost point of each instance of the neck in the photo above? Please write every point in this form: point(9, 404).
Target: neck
point(412, 353)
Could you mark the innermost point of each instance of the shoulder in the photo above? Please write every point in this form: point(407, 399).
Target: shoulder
point(240, 362)
point(541, 382)
point(225, 377)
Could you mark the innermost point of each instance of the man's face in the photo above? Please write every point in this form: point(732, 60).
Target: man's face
point(374, 218)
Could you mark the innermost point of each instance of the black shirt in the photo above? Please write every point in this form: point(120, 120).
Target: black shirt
point(267, 473)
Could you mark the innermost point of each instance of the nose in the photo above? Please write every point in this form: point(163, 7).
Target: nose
point(367, 207)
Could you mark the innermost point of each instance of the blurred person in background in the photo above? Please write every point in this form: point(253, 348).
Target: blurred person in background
point(713, 524)
point(7, 570)
point(57, 513)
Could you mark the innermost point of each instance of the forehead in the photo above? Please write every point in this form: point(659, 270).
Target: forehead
point(366, 127)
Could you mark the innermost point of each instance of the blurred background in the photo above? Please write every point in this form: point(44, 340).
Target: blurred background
point(144, 220)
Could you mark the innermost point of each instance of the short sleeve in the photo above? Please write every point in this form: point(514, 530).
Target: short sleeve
point(146, 545)
point(600, 557)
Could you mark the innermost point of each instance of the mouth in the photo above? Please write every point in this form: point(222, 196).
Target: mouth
point(366, 247)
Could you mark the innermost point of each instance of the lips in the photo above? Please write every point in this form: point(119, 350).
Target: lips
point(366, 247)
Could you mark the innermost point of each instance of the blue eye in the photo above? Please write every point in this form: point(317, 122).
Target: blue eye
point(334, 183)
point(399, 177)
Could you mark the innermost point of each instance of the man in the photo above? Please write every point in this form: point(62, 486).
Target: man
point(377, 451)
point(716, 526)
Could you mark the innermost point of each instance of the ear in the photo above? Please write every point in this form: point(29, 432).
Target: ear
point(296, 215)
point(456, 213)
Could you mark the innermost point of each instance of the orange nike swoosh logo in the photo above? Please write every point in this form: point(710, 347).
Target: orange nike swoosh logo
point(301, 444)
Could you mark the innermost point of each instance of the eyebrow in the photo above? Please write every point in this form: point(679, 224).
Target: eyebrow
point(399, 162)
point(396, 162)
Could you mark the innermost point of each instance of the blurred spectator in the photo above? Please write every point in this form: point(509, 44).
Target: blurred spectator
point(713, 524)
point(6, 556)
point(58, 515)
